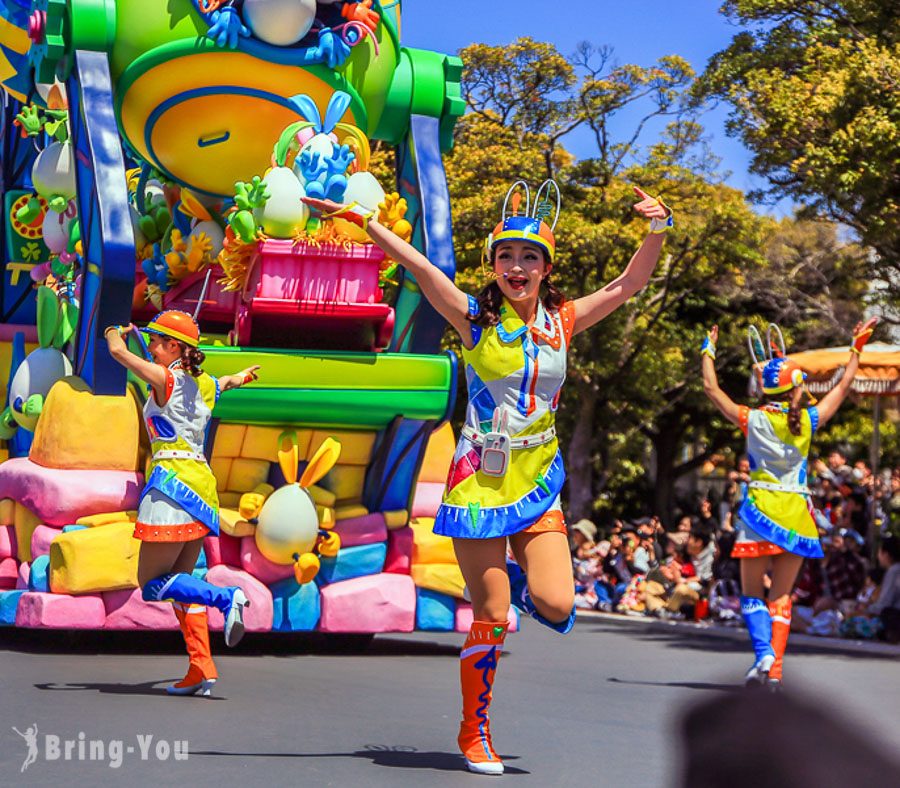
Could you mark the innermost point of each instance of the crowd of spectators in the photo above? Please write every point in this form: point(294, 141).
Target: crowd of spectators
point(641, 568)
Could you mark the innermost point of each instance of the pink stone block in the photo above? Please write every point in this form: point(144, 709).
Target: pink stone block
point(259, 566)
point(427, 499)
point(9, 573)
point(362, 530)
point(222, 549)
point(464, 618)
point(126, 609)
point(60, 496)
point(24, 574)
point(8, 544)
point(60, 611)
point(399, 553)
point(41, 538)
point(375, 603)
point(257, 617)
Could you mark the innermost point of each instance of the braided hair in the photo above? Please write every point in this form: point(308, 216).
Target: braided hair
point(191, 359)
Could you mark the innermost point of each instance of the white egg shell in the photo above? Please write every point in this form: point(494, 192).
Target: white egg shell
point(288, 524)
point(55, 231)
point(53, 172)
point(279, 22)
point(36, 375)
point(364, 189)
point(283, 214)
point(215, 233)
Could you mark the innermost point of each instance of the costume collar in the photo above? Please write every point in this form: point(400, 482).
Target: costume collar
point(511, 326)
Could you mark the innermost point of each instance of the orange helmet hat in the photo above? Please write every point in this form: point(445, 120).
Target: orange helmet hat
point(529, 225)
point(775, 372)
point(175, 324)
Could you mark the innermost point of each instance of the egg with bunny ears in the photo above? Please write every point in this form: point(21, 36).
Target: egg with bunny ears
point(279, 22)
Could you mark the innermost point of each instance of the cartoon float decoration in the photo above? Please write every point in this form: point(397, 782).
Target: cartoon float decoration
point(167, 170)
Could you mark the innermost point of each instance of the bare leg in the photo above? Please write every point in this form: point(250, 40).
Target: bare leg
point(483, 565)
point(548, 566)
point(753, 570)
point(158, 558)
point(187, 558)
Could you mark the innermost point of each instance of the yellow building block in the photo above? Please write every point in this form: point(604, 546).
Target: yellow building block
point(356, 447)
point(346, 482)
point(444, 578)
point(438, 455)
point(93, 520)
point(221, 468)
point(321, 496)
point(228, 440)
point(396, 519)
point(246, 474)
point(231, 500)
point(25, 521)
point(429, 547)
point(261, 443)
point(231, 523)
point(94, 559)
point(78, 429)
point(350, 511)
point(7, 511)
point(326, 517)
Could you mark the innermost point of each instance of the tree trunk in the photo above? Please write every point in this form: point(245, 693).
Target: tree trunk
point(578, 461)
point(665, 448)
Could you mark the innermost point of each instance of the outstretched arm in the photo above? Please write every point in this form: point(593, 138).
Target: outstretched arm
point(242, 378)
point(830, 403)
point(727, 406)
point(593, 308)
point(451, 302)
point(153, 374)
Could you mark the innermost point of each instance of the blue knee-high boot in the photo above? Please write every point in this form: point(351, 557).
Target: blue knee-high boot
point(759, 625)
point(521, 599)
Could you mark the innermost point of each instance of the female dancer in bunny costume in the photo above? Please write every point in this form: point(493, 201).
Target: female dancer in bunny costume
point(179, 505)
point(775, 526)
point(507, 473)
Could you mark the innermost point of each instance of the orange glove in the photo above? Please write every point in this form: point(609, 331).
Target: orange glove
point(862, 334)
point(361, 12)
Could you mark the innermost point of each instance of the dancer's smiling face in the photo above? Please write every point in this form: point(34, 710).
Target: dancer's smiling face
point(520, 268)
point(163, 350)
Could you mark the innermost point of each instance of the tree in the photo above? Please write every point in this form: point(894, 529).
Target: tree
point(815, 94)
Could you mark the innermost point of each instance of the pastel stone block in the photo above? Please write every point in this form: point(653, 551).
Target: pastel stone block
point(41, 538)
point(445, 578)
point(350, 562)
point(259, 566)
point(60, 496)
point(427, 499)
point(228, 440)
point(346, 482)
point(38, 577)
point(200, 573)
point(126, 609)
point(438, 455)
point(245, 475)
point(229, 500)
point(67, 529)
point(362, 530)
point(429, 547)
point(261, 443)
point(377, 603)
point(221, 468)
point(356, 447)
point(257, 617)
point(60, 611)
point(8, 548)
point(201, 559)
point(296, 608)
point(350, 511)
point(399, 552)
point(7, 510)
point(9, 573)
point(9, 604)
point(22, 578)
point(435, 612)
point(232, 524)
point(72, 426)
point(105, 518)
point(399, 518)
point(222, 549)
point(25, 523)
point(96, 559)
point(464, 617)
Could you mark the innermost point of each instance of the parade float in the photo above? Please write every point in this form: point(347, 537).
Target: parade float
point(154, 156)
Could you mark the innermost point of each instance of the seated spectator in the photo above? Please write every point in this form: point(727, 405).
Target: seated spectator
point(858, 622)
point(706, 521)
point(887, 606)
point(667, 592)
point(701, 550)
point(845, 572)
point(584, 534)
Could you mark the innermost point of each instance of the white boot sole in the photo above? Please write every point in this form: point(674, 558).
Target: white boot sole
point(485, 767)
point(759, 673)
point(203, 689)
point(234, 623)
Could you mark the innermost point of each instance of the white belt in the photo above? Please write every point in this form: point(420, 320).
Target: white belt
point(177, 454)
point(538, 439)
point(791, 488)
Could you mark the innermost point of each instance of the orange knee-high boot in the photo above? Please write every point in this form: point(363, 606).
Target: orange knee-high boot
point(780, 611)
point(477, 666)
point(201, 675)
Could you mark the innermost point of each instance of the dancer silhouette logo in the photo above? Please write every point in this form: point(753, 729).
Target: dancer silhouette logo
point(112, 751)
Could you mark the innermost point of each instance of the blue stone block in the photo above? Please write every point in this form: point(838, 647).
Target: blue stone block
point(39, 579)
point(9, 604)
point(295, 608)
point(364, 559)
point(201, 560)
point(435, 612)
point(200, 573)
point(67, 528)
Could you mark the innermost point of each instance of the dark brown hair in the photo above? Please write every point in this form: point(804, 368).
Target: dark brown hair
point(191, 359)
point(794, 423)
point(491, 298)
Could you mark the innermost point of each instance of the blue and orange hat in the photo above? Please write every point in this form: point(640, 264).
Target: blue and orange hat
point(528, 225)
point(175, 324)
point(776, 373)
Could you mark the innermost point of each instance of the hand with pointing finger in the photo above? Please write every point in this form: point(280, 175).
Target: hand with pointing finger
point(655, 210)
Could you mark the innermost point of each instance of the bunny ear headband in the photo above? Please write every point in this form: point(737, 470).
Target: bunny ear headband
point(531, 223)
point(776, 372)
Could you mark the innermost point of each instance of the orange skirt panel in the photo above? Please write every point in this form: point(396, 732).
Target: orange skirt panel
point(755, 549)
point(187, 532)
point(552, 522)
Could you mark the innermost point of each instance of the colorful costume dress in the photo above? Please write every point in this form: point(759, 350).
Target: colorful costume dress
point(179, 502)
point(520, 371)
point(776, 513)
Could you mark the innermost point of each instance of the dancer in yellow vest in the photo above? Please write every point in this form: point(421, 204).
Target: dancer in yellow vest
point(775, 526)
point(179, 504)
point(507, 473)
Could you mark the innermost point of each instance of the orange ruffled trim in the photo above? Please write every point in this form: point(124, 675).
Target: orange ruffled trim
point(188, 532)
point(551, 522)
point(755, 549)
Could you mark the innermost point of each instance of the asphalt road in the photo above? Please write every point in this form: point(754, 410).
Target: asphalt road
point(601, 706)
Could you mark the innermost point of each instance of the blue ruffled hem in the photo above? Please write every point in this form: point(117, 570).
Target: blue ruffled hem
point(169, 485)
point(768, 529)
point(456, 521)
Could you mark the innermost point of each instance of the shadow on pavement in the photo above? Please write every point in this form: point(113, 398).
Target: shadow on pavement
point(400, 756)
point(151, 688)
point(701, 685)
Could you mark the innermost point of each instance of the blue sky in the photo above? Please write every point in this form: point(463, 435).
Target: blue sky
point(638, 32)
